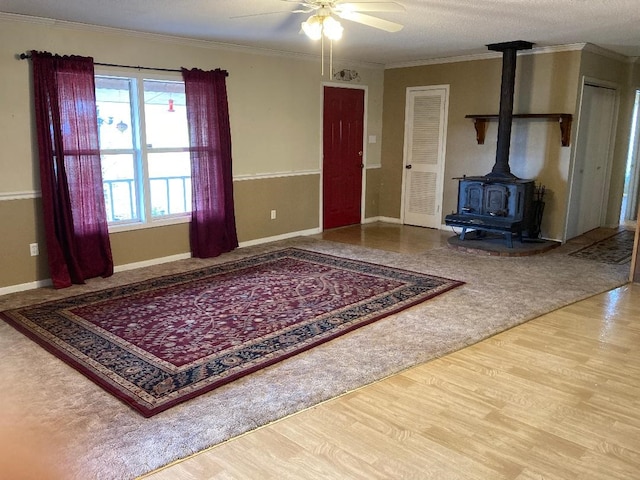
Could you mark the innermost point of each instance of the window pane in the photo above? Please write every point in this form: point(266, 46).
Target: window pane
point(113, 99)
point(118, 180)
point(165, 114)
point(170, 183)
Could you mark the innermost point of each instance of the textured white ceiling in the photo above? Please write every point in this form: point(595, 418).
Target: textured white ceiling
point(433, 28)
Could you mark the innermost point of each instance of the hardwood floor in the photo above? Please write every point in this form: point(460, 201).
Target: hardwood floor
point(555, 398)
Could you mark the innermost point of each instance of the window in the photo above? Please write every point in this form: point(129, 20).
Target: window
point(144, 145)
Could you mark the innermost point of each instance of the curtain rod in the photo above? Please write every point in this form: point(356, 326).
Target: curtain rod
point(25, 56)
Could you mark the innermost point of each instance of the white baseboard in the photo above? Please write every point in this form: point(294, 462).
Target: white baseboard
point(25, 286)
point(450, 228)
point(284, 236)
point(181, 256)
point(156, 261)
point(120, 268)
point(153, 261)
point(382, 219)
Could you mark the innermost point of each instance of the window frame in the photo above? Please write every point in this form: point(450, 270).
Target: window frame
point(141, 151)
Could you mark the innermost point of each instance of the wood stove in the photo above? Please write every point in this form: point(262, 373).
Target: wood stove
point(494, 205)
point(499, 201)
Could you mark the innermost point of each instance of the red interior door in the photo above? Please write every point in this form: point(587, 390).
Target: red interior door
point(342, 156)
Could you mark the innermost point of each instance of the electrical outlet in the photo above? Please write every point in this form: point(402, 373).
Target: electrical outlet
point(33, 248)
point(273, 214)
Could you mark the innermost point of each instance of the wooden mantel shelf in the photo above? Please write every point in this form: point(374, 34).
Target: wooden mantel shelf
point(480, 122)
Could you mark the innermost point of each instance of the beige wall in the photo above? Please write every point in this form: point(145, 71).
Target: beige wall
point(635, 73)
point(372, 198)
point(295, 200)
point(545, 83)
point(275, 104)
point(20, 228)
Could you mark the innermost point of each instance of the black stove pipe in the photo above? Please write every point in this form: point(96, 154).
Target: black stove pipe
point(505, 118)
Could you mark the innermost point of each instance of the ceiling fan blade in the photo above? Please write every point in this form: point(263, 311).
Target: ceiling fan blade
point(310, 5)
point(369, 7)
point(306, 8)
point(259, 14)
point(371, 21)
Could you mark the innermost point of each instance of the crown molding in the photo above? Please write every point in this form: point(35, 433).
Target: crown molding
point(592, 48)
point(27, 19)
point(177, 40)
point(587, 47)
point(440, 60)
point(485, 56)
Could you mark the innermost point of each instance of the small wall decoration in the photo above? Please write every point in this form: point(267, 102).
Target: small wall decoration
point(346, 75)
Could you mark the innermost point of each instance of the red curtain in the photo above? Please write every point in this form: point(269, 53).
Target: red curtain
point(213, 224)
point(70, 173)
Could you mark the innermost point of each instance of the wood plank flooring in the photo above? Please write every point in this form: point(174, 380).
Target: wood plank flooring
point(556, 398)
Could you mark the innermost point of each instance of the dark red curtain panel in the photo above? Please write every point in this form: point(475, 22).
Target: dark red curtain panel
point(70, 174)
point(213, 224)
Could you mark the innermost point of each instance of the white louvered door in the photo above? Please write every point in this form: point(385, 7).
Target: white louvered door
point(424, 153)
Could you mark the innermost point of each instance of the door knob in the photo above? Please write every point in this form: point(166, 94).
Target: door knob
point(360, 153)
point(408, 167)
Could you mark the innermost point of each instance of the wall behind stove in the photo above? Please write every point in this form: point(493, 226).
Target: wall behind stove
point(546, 82)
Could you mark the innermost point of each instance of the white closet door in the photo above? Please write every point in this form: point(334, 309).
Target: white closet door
point(424, 153)
point(589, 185)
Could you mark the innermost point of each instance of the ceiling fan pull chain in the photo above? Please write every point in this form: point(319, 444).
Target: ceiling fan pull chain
point(330, 58)
point(322, 56)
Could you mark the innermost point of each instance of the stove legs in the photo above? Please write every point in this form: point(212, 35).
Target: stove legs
point(480, 233)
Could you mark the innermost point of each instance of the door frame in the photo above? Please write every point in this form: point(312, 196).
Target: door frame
point(405, 154)
point(364, 147)
point(634, 273)
point(633, 152)
point(595, 82)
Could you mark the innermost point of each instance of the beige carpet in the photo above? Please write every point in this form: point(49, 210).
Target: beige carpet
point(98, 437)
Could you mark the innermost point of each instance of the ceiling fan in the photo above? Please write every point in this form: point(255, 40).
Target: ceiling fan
point(325, 9)
point(351, 11)
point(323, 22)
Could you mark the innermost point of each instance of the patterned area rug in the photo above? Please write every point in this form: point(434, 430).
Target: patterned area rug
point(615, 250)
point(159, 342)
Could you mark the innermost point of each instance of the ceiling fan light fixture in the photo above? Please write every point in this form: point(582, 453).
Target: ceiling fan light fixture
point(332, 28)
point(312, 27)
point(317, 25)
